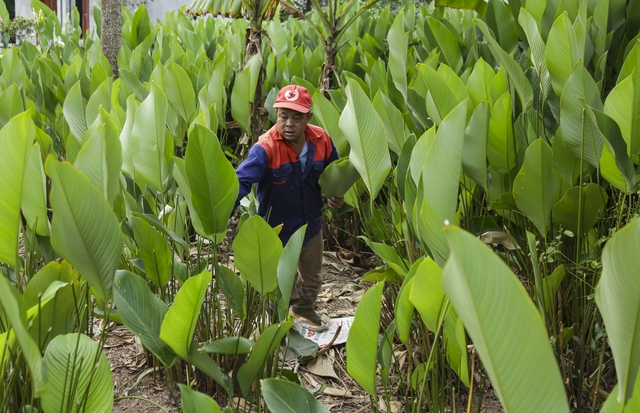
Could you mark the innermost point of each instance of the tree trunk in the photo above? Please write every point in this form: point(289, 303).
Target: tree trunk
point(328, 70)
point(258, 113)
point(112, 32)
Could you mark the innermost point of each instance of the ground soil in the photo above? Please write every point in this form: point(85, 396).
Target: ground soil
point(141, 389)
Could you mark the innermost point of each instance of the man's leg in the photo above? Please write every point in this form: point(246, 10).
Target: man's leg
point(309, 281)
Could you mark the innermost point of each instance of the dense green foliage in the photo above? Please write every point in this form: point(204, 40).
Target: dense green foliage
point(514, 125)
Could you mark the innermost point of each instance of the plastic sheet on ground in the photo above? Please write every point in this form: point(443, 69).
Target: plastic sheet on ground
point(325, 337)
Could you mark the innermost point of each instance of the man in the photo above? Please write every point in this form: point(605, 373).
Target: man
point(286, 164)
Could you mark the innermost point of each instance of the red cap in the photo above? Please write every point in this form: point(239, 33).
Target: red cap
point(294, 97)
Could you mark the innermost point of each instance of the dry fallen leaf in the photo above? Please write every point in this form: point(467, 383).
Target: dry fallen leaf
point(396, 406)
point(333, 391)
point(312, 382)
point(496, 238)
point(322, 366)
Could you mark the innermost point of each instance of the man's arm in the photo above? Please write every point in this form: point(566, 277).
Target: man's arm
point(251, 171)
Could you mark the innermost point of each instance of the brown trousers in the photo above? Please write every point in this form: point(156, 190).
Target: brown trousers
point(309, 282)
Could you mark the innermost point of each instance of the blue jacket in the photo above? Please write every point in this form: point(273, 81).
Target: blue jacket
point(287, 194)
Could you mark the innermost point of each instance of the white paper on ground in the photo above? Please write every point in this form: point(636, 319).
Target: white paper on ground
point(324, 338)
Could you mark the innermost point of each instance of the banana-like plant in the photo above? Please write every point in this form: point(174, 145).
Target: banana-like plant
point(334, 22)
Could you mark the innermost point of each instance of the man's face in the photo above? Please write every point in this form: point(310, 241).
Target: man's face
point(292, 124)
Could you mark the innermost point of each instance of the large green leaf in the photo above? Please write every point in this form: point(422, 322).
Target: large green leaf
point(479, 82)
point(34, 193)
point(501, 143)
point(15, 313)
point(267, 343)
point(535, 188)
point(329, 117)
point(283, 396)
point(398, 49)
point(516, 75)
point(505, 326)
point(84, 229)
point(180, 93)
point(402, 167)
point(229, 345)
point(623, 105)
point(13, 72)
point(564, 163)
point(362, 343)
point(209, 367)
point(395, 131)
point(233, 289)
point(580, 208)
point(455, 342)
point(130, 146)
point(257, 252)
point(403, 311)
point(618, 299)
point(441, 100)
point(243, 93)
point(444, 160)
point(101, 98)
point(288, 270)
point(562, 52)
point(215, 93)
point(173, 219)
point(153, 160)
point(550, 285)
point(338, 177)
point(180, 321)
point(615, 164)
point(12, 104)
point(212, 179)
point(612, 405)
point(426, 294)
point(100, 158)
point(142, 313)
point(578, 133)
point(74, 112)
point(58, 315)
point(16, 140)
point(537, 47)
point(140, 26)
point(474, 149)
point(4, 13)
point(389, 255)
point(77, 379)
point(441, 37)
point(180, 175)
point(365, 131)
point(194, 401)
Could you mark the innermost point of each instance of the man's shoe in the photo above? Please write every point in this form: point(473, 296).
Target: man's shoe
point(316, 323)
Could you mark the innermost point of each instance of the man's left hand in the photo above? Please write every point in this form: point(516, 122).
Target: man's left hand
point(335, 201)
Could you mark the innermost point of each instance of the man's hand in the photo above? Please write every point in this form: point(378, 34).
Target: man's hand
point(335, 201)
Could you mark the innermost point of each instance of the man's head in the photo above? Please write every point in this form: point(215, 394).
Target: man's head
point(293, 108)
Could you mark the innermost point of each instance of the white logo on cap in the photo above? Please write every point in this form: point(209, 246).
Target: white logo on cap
point(291, 95)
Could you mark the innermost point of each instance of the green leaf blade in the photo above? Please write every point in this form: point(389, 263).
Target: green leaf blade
point(16, 140)
point(180, 321)
point(535, 187)
point(365, 131)
point(84, 228)
point(618, 299)
point(212, 179)
point(362, 344)
point(505, 326)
